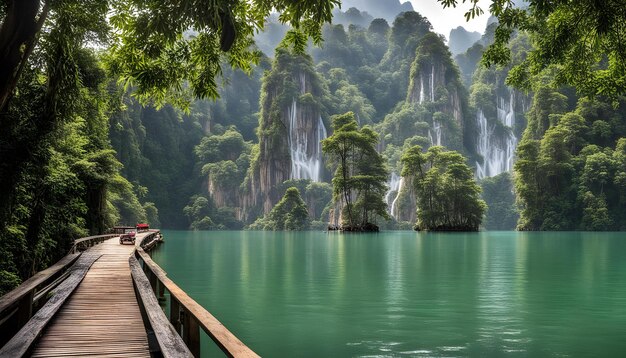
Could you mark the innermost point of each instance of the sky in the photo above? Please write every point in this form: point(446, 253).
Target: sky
point(444, 20)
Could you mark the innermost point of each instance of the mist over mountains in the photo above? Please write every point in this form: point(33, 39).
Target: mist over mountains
point(461, 39)
point(386, 9)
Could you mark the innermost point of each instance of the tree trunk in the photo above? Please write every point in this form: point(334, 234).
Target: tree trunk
point(17, 38)
point(17, 35)
point(96, 206)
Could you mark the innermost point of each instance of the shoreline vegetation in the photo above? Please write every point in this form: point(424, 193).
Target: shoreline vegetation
point(110, 113)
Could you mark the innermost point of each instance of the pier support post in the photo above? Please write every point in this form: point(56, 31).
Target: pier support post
point(25, 309)
point(191, 334)
point(175, 314)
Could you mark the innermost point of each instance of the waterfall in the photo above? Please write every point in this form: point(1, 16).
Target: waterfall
point(434, 134)
point(498, 153)
point(394, 185)
point(421, 88)
point(392, 210)
point(306, 155)
point(432, 84)
point(302, 79)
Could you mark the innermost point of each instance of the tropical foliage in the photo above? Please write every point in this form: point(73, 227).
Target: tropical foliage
point(291, 213)
point(360, 172)
point(448, 198)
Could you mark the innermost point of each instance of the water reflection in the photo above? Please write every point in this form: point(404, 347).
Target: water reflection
point(409, 294)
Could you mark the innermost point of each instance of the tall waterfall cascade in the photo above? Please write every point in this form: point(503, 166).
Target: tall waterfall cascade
point(393, 188)
point(498, 153)
point(434, 134)
point(305, 147)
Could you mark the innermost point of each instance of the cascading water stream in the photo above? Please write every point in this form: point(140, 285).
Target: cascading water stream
point(395, 200)
point(421, 88)
point(394, 187)
point(305, 146)
point(434, 134)
point(306, 163)
point(432, 84)
point(498, 153)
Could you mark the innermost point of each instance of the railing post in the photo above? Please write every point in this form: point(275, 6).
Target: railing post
point(153, 281)
point(175, 313)
point(161, 290)
point(191, 334)
point(25, 309)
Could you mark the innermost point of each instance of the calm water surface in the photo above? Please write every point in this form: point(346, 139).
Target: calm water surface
point(407, 294)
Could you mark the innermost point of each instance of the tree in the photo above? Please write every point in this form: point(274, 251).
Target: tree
point(198, 211)
point(582, 41)
point(447, 195)
point(567, 175)
point(149, 52)
point(152, 53)
point(498, 195)
point(360, 173)
point(290, 213)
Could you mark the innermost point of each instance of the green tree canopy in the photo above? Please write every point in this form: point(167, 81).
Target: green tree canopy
point(360, 172)
point(290, 213)
point(582, 41)
point(447, 195)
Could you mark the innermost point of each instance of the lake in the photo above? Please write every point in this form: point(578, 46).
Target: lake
point(408, 294)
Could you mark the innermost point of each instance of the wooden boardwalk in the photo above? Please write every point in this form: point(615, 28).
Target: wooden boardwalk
point(102, 317)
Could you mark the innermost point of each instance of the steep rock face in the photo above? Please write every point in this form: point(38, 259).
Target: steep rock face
point(290, 131)
point(498, 133)
point(435, 113)
point(499, 116)
point(435, 84)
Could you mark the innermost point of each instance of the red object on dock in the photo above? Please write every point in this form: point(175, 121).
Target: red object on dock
point(142, 227)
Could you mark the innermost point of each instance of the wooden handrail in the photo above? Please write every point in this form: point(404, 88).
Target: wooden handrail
point(177, 337)
point(170, 343)
point(22, 342)
point(19, 305)
point(84, 243)
point(186, 315)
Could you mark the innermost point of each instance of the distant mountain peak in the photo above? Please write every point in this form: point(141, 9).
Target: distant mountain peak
point(461, 39)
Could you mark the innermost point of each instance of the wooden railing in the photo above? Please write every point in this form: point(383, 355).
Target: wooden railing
point(87, 242)
point(178, 336)
point(187, 317)
point(19, 305)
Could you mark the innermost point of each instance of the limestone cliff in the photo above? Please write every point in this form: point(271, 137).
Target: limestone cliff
point(499, 114)
point(290, 130)
point(435, 112)
point(435, 84)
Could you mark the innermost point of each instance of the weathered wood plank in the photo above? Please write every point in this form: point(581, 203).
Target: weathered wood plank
point(102, 317)
point(225, 339)
point(170, 342)
point(21, 343)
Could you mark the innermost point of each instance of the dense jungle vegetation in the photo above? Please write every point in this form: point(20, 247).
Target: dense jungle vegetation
point(109, 114)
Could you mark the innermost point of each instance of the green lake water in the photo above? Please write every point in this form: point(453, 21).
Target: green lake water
point(407, 294)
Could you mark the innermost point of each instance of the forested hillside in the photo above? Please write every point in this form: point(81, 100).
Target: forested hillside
point(234, 158)
point(112, 113)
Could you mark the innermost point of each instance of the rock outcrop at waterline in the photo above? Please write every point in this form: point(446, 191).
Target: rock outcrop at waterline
point(435, 113)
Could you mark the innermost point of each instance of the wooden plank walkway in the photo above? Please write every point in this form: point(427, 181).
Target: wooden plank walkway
point(101, 318)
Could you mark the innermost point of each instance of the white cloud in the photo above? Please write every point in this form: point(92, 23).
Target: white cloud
point(444, 20)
